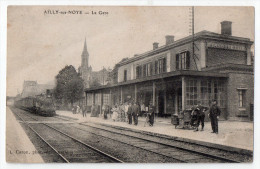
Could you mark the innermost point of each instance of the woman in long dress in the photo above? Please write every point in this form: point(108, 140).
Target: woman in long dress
point(122, 113)
point(115, 113)
point(106, 111)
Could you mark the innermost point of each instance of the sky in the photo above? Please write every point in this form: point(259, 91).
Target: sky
point(40, 42)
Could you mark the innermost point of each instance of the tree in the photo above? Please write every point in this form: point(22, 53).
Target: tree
point(69, 85)
point(113, 75)
point(94, 83)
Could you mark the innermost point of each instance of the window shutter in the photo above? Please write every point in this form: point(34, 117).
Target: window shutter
point(144, 70)
point(188, 60)
point(137, 72)
point(125, 75)
point(156, 67)
point(164, 64)
point(151, 69)
point(177, 61)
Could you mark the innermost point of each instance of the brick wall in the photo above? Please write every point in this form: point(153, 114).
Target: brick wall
point(235, 81)
point(218, 56)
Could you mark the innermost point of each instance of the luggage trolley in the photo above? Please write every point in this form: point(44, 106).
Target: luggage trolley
point(182, 119)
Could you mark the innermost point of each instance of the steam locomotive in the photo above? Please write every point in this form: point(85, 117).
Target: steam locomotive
point(42, 106)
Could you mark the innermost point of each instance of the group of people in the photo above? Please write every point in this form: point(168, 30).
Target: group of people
point(130, 111)
point(198, 116)
point(79, 110)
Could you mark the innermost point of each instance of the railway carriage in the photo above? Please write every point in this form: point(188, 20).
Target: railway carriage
point(37, 105)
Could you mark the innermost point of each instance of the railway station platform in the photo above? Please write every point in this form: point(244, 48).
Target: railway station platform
point(22, 151)
point(232, 134)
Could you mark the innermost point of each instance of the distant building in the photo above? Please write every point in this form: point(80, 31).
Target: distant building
point(10, 100)
point(32, 88)
point(89, 77)
point(174, 78)
point(101, 76)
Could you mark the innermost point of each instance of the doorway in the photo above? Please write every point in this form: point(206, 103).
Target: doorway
point(161, 103)
point(179, 100)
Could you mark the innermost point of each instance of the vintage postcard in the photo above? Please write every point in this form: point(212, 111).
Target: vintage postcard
point(104, 84)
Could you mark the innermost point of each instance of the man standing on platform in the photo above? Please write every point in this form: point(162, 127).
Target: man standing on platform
point(142, 109)
point(201, 116)
point(214, 114)
point(151, 111)
point(129, 113)
point(135, 110)
point(84, 111)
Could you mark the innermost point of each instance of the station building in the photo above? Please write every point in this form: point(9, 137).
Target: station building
point(181, 73)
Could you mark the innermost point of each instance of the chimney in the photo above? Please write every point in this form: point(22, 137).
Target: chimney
point(155, 45)
point(226, 28)
point(169, 39)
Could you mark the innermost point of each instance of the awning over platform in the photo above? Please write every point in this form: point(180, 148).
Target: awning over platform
point(163, 76)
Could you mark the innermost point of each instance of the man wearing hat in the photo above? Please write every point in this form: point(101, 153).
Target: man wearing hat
point(129, 113)
point(200, 116)
point(151, 111)
point(135, 110)
point(214, 113)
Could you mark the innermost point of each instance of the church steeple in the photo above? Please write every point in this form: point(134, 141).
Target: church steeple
point(84, 55)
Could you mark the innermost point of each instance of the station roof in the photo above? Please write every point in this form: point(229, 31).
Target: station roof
point(163, 76)
point(200, 35)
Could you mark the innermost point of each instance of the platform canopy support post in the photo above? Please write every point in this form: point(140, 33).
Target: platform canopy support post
point(183, 93)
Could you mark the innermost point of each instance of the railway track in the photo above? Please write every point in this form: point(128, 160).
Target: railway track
point(181, 152)
point(212, 153)
point(67, 147)
point(216, 153)
point(29, 118)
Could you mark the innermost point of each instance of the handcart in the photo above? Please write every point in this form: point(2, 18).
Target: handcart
point(182, 119)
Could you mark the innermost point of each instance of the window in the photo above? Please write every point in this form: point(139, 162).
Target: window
point(147, 69)
point(89, 99)
point(205, 92)
point(191, 92)
point(219, 93)
point(161, 65)
point(183, 60)
point(97, 98)
point(106, 99)
point(125, 75)
point(241, 98)
point(138, 72)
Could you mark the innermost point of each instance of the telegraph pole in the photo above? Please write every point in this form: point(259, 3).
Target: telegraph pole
point(103, 76)
point(192, 31)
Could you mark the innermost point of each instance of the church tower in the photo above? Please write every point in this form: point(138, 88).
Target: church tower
point(84, 70)
point(84, 56)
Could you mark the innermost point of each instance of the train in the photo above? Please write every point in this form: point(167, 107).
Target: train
point(42, 106)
